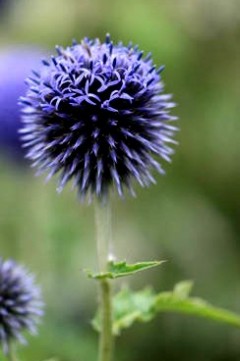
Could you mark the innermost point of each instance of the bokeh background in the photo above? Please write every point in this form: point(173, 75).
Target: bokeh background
point(191, 217)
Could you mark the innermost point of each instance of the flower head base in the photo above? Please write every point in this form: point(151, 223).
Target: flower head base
point(96, 114)
point(20, 303)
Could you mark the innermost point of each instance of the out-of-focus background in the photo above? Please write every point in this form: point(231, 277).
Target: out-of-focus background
point(191, 217)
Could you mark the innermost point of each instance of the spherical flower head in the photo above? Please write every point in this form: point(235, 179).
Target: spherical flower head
point(20, 303)
point(3, 5)
point(15, 65)
point(95, 113)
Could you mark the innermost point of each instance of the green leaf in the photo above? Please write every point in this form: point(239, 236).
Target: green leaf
point(130, 307)
point(122, 269)
point(183, 289)
point(144, 305)
point(174, 302)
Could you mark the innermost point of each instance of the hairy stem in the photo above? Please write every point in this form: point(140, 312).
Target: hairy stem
point(103, 228)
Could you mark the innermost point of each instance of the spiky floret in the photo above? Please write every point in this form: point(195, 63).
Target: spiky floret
point(20, 303)
point(96, 113)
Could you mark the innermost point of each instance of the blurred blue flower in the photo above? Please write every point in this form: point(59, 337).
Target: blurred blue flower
point(3, 5)
point(96, 113)
point(15, 65)
point(20, 303)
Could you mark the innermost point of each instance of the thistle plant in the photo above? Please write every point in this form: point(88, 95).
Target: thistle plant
point(21, 305)
point(96, 114)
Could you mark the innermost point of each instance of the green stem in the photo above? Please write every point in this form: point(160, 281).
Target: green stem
point(106, 337)
point(103, 228)
point(11, 355)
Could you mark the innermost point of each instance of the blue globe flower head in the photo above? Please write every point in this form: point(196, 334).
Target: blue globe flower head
point(15, 65)
point(21, 304)
point(3, 6)
point(96, 113)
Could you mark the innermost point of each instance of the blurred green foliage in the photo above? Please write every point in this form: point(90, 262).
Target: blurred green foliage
point(191, 217)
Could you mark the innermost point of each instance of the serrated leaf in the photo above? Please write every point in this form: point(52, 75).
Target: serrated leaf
point(122, 269)
point(144, 305)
